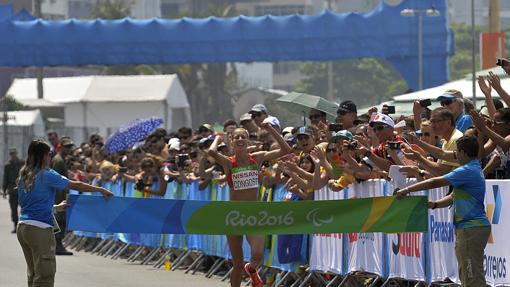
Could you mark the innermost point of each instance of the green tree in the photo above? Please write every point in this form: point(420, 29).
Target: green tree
point(12, 104)
point(461, 62)
point(366, 81)
point(111, 9)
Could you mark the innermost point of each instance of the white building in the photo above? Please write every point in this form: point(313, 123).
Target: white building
point(108, 102)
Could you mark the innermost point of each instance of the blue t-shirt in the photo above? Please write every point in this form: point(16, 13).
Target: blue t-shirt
point(468, 195)
point(37, 203)
point(463, 122)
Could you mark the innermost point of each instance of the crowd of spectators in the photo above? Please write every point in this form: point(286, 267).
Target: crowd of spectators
point(356, 147)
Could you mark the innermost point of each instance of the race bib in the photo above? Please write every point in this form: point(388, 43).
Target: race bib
point(246, 177)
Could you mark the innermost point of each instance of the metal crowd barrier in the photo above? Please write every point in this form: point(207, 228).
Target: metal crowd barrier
point(325, 259)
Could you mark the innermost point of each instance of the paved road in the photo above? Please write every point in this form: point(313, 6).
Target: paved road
point(85, 270)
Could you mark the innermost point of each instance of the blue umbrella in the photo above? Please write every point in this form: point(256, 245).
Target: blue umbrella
point(132, 133)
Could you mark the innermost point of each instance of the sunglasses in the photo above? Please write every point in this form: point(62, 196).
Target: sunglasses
point(331, 149)
point(446, 103)
point(255, 115)
point(314, 117)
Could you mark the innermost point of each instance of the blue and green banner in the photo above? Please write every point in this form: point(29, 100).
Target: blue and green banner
point(166, 216)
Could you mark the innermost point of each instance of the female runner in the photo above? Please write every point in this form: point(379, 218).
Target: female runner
point(242, 171)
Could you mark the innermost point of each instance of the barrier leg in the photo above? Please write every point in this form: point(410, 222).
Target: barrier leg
point(181, 260)
point(139, 254)
point(297, 282)
point(74, 242)
point(179, 257)
point(192, 265)
point(162, 259)
point(106, 247)
point(319, 279)
point(211, 270)
point(111, 249)
point(282, 279)
point(199, 264)
point(227, 275)
point(67, 238)
point(82, 244)
point(306, 280)
point(151, 255)
point(376, 281)
point(386, 282)
point(333, 281)
point(119, 251)
point(135, 253)
point(344, 281)
point(99, 246)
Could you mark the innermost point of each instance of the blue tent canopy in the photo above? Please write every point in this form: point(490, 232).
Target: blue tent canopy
point(382, 33)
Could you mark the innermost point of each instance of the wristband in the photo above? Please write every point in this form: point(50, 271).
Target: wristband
point(434, 206)
point(422, 173)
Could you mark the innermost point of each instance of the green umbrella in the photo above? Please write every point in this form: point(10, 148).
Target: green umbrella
point(299, 102)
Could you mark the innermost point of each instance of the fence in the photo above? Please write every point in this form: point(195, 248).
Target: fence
point(427, 257)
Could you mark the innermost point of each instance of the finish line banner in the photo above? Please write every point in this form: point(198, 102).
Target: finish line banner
point(166, 216)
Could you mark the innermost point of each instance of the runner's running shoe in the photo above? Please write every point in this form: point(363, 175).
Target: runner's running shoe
point(254, 275)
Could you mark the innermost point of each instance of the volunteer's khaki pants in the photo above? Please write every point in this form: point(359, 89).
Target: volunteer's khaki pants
point(469, 246)
point(38, 246)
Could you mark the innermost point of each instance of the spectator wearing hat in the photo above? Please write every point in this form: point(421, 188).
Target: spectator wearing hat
point(305, 140)
point(185, 134)
point(380, 156)
point(11, 173)
point(443, 125)
point(248, 124)
point(205, 130)
point(259, 113)
point(453, 101)
point(317, 116)
point(59, 165)
point(347, 114)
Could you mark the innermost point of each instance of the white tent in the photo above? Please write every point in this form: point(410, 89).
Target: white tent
point(22, 127)
point(108, 102)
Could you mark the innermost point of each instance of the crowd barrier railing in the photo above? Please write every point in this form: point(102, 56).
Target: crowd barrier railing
point(427, 257)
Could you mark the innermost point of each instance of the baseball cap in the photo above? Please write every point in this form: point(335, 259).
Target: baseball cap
point(303, 131)
point(272, 121)
point(450, 95)
point(289, 138)
point(245, 117)
point(206, 126)
point(347, 106)
point(384, 119)
point(12, 150)
point(287, 130)
point(66, 141)
point(174, 145)
point(258, 108)
point(343, 134)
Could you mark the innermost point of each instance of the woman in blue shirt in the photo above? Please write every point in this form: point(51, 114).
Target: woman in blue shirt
point(37, 184)
point(472, 228)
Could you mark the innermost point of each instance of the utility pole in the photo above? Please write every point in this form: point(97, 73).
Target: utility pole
point(473, 45)
point(5, 118)
point(39, 70)
point(330, 65)
point(494, 16)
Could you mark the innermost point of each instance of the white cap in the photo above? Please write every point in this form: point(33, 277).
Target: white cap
point(174, 144)
point(272, 121)
point(384, 119)
point(287, 130)
point(400, 124)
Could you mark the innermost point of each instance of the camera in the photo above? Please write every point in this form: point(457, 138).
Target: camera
point(502, 62)
point(425, 103)
point(394, 145)
point(352, 145)
point(390, 110)
point(123, 169)
point(181, 160)
point(140, 185)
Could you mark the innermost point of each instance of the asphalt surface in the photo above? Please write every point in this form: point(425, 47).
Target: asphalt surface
point(86, 270)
